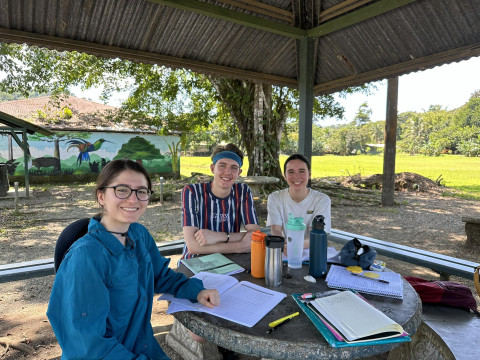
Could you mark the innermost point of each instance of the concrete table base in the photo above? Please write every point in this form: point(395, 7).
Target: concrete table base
point(425, 345)
point(180, 341)
point(298, 339)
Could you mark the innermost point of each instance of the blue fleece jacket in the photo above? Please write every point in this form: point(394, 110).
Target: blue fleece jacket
point(101, 301)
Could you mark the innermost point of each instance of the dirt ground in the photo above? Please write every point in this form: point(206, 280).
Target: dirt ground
point(422, 218)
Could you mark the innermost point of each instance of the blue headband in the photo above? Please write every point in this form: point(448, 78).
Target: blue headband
point(228, 155)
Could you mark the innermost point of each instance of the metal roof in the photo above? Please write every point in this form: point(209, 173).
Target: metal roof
point(355, 41)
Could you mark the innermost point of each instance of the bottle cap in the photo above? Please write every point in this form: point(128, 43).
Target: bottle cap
point(318, 222)
point(258, 236)
point(273, 241)
point(295, 223)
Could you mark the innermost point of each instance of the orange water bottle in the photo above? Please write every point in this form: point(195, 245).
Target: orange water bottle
point(258, 254)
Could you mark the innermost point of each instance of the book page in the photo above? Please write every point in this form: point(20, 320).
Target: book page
point(214, 263)
point(244, 303)
point(354, 317)
point(216, 281)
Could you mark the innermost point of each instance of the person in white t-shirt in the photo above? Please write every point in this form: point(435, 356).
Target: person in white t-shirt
point(298, 199)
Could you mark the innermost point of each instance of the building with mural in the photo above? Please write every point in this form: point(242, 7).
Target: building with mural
point(87, 135)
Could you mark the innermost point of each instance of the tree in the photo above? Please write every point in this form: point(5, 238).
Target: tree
point(363, 115)
point(139, 149)
point(172, 101)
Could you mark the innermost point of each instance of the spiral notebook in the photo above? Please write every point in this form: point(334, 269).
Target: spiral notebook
point(340, 278)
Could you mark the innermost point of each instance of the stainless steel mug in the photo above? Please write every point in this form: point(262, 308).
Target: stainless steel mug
point(273, 260)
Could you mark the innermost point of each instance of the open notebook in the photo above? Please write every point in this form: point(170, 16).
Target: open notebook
point(345, 319)
point(214, 263)
point(339, 277)
point(242, 302)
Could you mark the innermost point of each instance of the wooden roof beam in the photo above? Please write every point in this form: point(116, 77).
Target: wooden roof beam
point(233, 16)
point(423, 63)
point(354, 17)
point(62, 44)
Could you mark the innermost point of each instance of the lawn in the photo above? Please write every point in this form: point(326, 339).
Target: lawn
point(458, 172)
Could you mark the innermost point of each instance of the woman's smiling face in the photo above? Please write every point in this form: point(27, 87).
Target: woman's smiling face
point(121, 212)
point(297, 174)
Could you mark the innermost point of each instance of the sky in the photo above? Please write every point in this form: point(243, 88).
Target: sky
point(448, 85)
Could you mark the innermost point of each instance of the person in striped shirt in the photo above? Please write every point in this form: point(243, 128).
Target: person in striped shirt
point(214, 212)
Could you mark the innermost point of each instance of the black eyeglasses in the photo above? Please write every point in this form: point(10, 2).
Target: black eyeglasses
point(124, 192)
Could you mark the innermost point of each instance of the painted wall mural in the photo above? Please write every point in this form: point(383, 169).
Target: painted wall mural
point(67, 153)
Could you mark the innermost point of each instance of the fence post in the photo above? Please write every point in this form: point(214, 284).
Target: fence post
point(15, 184)
point(161, 189)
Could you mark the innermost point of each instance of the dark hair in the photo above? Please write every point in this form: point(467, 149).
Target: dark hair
point(228, 147)
point(114, 168)
point(296, 157)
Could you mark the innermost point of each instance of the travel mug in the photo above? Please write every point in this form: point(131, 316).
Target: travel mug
point(273, 260)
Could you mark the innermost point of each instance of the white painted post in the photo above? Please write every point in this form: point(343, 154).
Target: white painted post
point(15, 184)
point(161, 189)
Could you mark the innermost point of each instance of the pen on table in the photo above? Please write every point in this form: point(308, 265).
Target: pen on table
point(282, 323)
point(374, 279)
point(279, 321)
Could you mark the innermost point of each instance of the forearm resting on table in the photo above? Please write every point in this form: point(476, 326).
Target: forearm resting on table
point(208, 242)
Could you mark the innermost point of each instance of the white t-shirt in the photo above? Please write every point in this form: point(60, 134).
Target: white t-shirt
point(280, 204)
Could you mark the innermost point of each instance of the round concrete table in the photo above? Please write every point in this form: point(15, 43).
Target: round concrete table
point(298, 339)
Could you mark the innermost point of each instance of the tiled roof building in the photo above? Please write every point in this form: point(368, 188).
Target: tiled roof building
point(71, 113)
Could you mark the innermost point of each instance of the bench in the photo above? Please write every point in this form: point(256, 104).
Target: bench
point(442, 264)
point(472, 229)
point(446, 333)
point(44, 267)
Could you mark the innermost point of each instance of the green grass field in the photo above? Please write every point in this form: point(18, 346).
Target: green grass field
point(458, 172)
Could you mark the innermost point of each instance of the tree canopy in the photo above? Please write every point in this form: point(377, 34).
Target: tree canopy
point(173, 101)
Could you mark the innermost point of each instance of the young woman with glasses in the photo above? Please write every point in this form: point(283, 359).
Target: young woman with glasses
point(102, 297)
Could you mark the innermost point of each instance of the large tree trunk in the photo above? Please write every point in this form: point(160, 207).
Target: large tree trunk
point(259, 120)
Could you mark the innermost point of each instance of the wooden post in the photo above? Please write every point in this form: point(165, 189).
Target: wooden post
point(305, 113)
point(26, 157)
point(388, 180)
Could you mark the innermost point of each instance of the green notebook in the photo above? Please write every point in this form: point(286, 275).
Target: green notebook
point(333, 338)
point(214, 263)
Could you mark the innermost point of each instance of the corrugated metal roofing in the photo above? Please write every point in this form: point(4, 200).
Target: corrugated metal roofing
point(257, 40)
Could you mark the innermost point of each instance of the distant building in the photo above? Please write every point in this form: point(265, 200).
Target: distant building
point(86, 136)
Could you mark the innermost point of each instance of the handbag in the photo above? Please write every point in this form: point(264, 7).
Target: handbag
point(354, 253)
point(447, 293)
